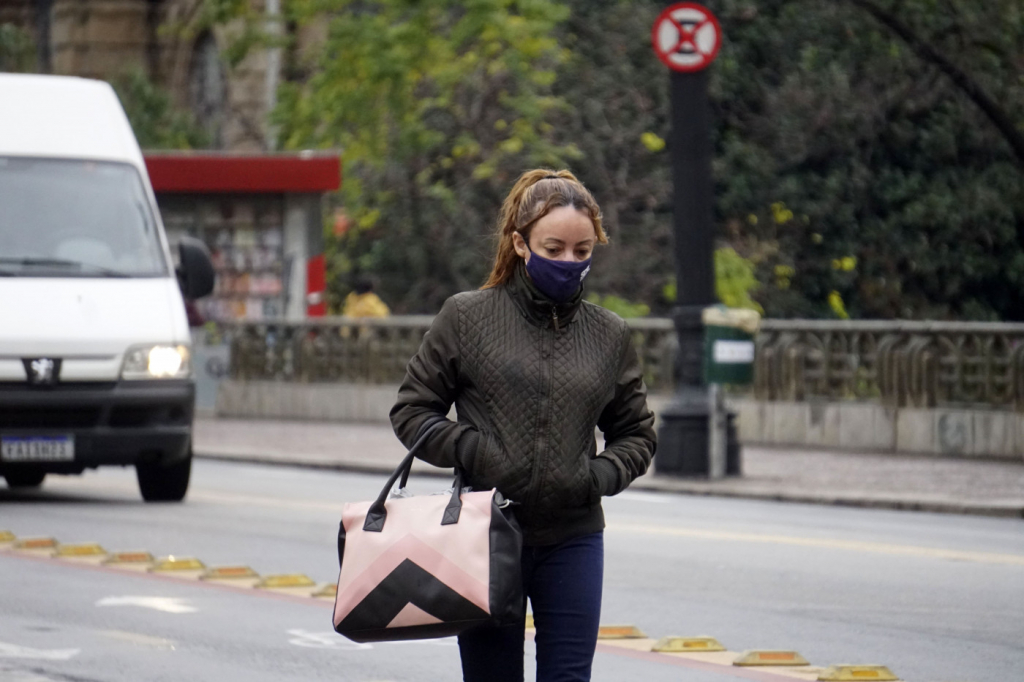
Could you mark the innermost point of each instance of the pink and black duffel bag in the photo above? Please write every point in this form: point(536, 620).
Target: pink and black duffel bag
point(428, 565)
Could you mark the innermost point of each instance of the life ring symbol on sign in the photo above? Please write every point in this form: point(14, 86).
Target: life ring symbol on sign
point(686, 37)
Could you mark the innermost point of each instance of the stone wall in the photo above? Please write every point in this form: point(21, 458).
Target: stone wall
point(99, 38)
point(105, 38)
point(369, 403)
point(18, 13)
point(842, 426)
point(864, 427)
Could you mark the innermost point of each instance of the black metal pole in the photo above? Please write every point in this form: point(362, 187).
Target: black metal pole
point(683, 434)
point(44, 48)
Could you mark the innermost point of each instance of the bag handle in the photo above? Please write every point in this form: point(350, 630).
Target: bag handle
point(377, 514)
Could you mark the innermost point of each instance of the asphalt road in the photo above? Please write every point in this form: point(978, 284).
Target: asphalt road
point(934, 597)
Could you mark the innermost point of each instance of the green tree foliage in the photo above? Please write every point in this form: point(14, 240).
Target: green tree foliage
point(734, 281)
point(618, 116)
point(865, 163)
point(834, 140)
point(155, 121)
point(437, 107)
point(620, 306)
point(17, 50)
point(877, 154)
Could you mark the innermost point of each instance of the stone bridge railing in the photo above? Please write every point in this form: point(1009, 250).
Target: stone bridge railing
point(900, 364)
point(375, 351)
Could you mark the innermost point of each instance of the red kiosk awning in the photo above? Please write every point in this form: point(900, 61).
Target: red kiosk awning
point(218, 173)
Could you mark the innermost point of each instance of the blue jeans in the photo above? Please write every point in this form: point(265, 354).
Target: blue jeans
point(563, 584)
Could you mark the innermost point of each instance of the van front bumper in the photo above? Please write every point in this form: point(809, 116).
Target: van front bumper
point(124, 422)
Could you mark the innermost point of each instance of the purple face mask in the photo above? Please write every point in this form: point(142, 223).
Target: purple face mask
point(556, 279)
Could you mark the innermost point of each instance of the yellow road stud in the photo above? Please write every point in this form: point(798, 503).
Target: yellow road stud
point(274, 582)
point(36, 545)
point(759, 657)
point(177, 564)
point(229, 573)
point(328, 591)
point(620, 632)
point(136, 560)
point(86, 550)
point(855, 673)
point(687, 645)
point(7, 537)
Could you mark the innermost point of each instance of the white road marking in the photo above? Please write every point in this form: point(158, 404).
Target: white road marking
point(445, 641)
point(332, 640)
point(16, 651)
point(139, 640)
point(165, 604)
point(324, 640)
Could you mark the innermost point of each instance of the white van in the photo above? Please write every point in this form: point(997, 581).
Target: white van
point(94, 343)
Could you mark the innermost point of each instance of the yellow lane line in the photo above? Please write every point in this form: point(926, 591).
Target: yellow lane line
point(640, 529)
point(237, 499)
point(822, 543)
point(204, 495)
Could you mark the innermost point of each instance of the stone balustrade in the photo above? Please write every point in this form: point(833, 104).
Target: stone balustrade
point(375, 351)
point(946, 389)
point(895, 363)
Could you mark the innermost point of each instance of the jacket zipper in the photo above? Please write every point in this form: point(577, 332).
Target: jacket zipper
point(548, 349)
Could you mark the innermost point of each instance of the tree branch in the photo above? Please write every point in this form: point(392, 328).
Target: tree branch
point(999, 118)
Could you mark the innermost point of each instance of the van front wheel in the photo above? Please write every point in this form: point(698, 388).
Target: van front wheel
point(24, 478)
point(164, 483)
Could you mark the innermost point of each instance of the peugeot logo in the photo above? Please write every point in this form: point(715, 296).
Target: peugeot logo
point(42, 371)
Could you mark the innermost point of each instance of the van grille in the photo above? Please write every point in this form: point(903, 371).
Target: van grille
point(65, 386)
point(82, 411)
point(67, 417)
point(147, 415)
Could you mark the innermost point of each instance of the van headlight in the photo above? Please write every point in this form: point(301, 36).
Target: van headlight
point(157, 362)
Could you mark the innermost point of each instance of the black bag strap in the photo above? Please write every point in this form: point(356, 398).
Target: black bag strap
point(377, 513)
point(454, 508)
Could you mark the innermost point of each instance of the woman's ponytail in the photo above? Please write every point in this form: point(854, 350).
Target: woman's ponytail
point(534, 195)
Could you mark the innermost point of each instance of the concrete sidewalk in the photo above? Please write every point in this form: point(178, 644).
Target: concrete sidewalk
point(884, 481)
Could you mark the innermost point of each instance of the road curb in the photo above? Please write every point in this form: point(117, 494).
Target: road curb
point(920, 504)
point(667, 485)
point(313, 462)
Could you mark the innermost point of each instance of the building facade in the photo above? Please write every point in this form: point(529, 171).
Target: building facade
point(165, 40)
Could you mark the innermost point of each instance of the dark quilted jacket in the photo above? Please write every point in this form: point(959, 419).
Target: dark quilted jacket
point(530, 381)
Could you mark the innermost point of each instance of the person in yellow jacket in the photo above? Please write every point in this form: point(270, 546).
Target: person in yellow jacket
point(364, 303)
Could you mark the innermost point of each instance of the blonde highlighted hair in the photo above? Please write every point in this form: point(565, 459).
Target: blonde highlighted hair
point(535, 194)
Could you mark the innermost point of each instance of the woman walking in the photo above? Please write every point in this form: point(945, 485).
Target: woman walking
point(532, 369)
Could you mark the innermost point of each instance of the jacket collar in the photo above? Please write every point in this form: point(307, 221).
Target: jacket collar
point(538, 308)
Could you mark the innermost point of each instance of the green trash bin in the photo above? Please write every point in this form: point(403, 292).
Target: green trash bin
point(729, 344)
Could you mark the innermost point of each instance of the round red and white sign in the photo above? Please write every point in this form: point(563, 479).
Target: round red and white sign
point(686, 37)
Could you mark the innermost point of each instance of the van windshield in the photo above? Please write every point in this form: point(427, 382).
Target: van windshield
point(65, 218)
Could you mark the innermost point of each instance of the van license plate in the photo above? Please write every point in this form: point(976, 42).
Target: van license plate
point(37, 449)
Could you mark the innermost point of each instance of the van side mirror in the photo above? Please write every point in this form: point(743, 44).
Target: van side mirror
point(195, 274)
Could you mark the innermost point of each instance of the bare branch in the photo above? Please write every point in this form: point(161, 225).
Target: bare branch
point(999, 118)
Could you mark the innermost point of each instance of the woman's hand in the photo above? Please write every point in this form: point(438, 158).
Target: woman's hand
point(604, 478)
point(466, 450)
